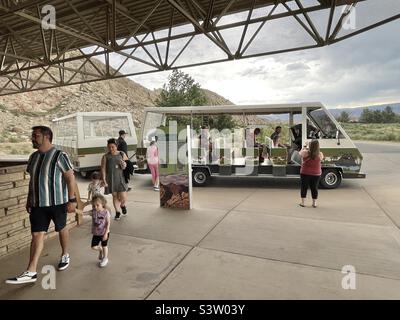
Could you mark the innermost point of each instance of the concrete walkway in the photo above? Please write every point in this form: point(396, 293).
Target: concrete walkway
point(245, 239)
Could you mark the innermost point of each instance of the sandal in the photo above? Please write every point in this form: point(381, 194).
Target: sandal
point(302, 205)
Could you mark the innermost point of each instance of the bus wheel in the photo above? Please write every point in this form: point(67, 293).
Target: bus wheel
point(200, 177)
point(330, 179)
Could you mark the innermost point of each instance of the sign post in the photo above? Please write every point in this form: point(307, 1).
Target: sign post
point(175, 169)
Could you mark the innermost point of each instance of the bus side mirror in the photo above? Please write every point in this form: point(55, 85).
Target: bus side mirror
point(338, 137)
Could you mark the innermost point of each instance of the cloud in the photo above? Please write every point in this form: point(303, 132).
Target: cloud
point(297, 66)
point(361, 70)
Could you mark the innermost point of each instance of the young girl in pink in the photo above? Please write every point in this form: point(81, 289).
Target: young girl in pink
point(152, 161)
point(100, 228)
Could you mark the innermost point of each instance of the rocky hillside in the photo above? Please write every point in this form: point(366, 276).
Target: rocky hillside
point(18, 113)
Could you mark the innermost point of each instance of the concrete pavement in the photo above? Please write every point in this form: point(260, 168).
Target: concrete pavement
point(245, 239)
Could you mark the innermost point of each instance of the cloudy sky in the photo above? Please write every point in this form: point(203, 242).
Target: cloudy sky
point(362, 70)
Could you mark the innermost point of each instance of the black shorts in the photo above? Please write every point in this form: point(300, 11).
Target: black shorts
point(40, 218)
point(97, 239)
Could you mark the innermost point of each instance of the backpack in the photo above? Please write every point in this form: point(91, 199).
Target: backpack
point(129, 170)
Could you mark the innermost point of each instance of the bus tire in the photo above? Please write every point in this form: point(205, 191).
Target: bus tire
point(200, 177)
point(330, 179)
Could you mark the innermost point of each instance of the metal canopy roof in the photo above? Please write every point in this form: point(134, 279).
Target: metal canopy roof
point(239, 109)
point(141, 36)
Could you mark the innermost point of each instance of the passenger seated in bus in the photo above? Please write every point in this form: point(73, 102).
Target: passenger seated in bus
point(258, 145)
point(276, 136)
point(256, 134)
point(252, 141)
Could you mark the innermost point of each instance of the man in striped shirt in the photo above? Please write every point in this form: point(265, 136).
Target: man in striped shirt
point(51, 196)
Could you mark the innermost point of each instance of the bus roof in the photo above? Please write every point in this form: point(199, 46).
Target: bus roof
point(105, 114)
point(238, 109)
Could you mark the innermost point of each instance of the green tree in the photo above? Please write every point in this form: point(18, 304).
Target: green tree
point(368, 116)
point(377, 116)
point(344, 117)
point(182, 90)
point(388, 116)
point(221, 122)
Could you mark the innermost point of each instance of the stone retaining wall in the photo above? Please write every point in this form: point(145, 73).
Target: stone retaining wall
point(15, 231)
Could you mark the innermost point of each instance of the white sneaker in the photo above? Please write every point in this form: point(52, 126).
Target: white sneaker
point(103, 262)
point(156, 189)
point(64, 262)
point(26, 277)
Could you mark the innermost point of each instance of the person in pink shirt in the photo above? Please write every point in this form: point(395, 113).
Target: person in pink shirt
point(152, 161)
point(310, 171)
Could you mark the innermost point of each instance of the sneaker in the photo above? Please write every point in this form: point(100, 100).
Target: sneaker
point(156, 189)
point(117, 216)
point(103, 262)
point(26, 277)
point(64, 262)
point(124, 212)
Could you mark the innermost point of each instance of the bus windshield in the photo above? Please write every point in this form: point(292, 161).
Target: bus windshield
point(325, 124)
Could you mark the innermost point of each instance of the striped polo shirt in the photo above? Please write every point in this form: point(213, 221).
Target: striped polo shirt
point(47, 186)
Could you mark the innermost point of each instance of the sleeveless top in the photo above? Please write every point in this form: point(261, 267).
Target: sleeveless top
point(114, 174)
point(152, 155)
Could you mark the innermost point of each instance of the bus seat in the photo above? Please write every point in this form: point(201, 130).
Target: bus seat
point(269, 143)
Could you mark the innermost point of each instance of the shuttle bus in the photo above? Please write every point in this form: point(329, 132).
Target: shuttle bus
point(236, 155)
point(84, 136)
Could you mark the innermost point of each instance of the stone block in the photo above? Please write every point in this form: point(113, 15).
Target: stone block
point(22, 232)
point(27, 223)
point(12, 226)
point(21, 183)
point(13, 218)
point(23, 243)
point(3, 251)
point(6, 186)
point(15, 209)
point(14, 192)
point(8, 202)
point(11, 177)
point(13, 169)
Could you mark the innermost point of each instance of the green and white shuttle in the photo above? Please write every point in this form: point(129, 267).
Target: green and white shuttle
point(231, 157)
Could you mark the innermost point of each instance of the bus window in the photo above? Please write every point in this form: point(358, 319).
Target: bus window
point(98, 127)
point(66, 128)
